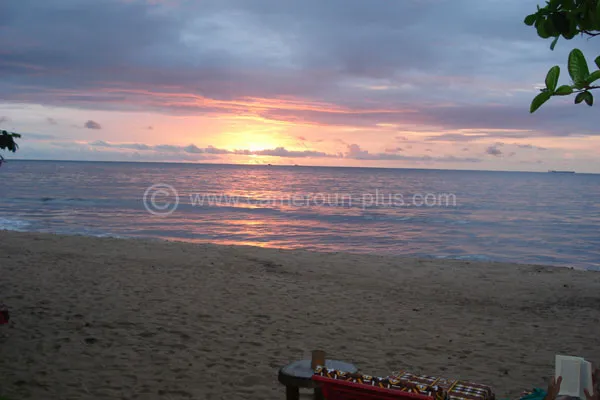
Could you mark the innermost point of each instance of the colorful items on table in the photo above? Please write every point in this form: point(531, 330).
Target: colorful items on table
point(437, 388)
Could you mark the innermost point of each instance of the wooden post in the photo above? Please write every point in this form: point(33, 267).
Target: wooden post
point(292, 393)
point(318, 358)
point(318, 394)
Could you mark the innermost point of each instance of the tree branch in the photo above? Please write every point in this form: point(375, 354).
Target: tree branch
point(586, 89)
point(590, 33)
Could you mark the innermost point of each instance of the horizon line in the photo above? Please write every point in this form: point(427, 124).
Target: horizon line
point(284, 165)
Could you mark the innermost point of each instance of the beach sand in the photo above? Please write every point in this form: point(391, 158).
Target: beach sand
point(102, 318)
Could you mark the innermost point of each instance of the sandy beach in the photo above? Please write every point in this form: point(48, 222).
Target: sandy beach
point(103, 318)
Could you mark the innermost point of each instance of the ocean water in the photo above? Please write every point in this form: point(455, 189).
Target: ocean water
point(541, 218)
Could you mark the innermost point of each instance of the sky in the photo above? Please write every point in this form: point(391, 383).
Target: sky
point(374, 83)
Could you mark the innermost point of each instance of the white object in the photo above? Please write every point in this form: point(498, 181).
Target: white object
point(576, 375)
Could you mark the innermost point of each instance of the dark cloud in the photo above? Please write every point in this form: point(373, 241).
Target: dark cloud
point(168, 148)
point(92, 125)
point(4, 119)
point(354, 151)
point(214, 150)
point(282, 152)
point(130, 146)
point(393, 149)
point(192, 148)
point(493, 151)
point(51, 121)
point(206, 57)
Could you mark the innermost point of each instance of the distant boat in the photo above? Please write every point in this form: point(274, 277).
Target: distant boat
point(561, 172)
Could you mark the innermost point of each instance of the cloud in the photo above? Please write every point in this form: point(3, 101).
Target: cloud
point(310, 62)
point(130, 146)
point(92, 125)
point(306, 70)
point(354, 151)
point(494, 151)
point(282, 152)
point(214, 150)
point(51, 121)
point(530, 146)
point(169, 148)
point(193, 149)
point(393, 149)
point(4, 119)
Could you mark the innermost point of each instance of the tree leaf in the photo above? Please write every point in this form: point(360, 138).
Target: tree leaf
point(564, 90)
point(539, 100)
point(541, 29)
point(553, 44)
point(530, 19)
point(550, 28)
point(589, 98)
point(593, 77)
point(579, 98)
point(578, 68)
point(597, 60)
point(552, 78)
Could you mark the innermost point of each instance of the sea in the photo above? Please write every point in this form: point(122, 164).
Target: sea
point(521, 217)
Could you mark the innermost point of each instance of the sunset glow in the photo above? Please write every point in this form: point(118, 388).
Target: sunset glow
point(318, 88)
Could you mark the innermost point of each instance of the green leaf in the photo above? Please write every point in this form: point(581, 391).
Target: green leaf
point(541, 29)
point(578, 68)
point(589, 98)
point(561, 22)
point(530, 19)
point(564, 90)
point(579, 98)
point(597, 60)
point(572, 30)
point(598, 11)
point(593, 77)
point(539, 100)
point(549, 28)
point(552, 78)
point(553, 44)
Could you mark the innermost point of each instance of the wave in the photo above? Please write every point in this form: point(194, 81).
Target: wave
point(13, 224)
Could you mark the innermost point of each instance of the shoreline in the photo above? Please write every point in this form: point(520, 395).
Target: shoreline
point(111, 318)
point(465, 259)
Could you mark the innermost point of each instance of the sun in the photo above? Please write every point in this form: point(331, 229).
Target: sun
point(257, 141)
point(258, 146)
